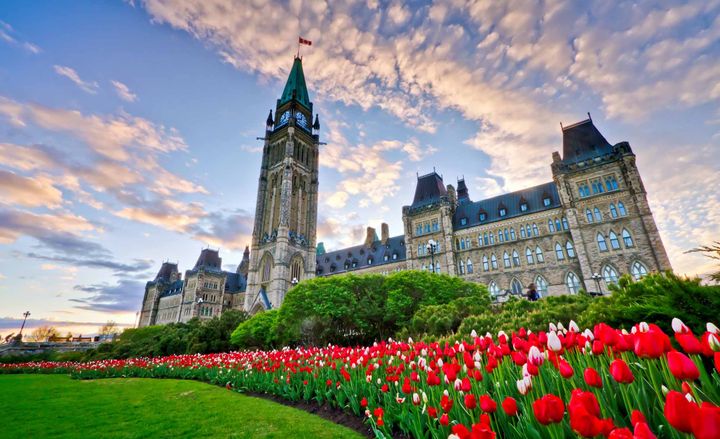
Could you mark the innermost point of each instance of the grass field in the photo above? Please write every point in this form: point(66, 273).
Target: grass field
point(55, 406)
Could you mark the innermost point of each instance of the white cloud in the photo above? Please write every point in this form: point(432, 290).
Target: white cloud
point(6, 34)
point(123, 91)
point(337, 200)
point(71, 74)
point(28, 192)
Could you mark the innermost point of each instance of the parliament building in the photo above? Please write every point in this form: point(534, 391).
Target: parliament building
point(583, 229)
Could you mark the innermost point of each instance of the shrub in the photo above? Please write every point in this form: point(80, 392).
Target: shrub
point(258, 331)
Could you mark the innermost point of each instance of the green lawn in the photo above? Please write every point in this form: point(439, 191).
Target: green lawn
point(55, 406)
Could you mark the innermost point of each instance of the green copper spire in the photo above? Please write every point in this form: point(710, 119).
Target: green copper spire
point(295, 86)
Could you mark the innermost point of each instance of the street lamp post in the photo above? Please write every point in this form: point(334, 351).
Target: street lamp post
point(199, 302)
point(294, 281)
point(26, 314)
point(596, 277)
point(431, 248)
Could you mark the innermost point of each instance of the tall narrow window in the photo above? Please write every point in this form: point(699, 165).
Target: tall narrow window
point(627, 239)
point(486, 266)
point(492, 238)
point(570, 249)
point(507, 236)
point(501, 237)
point(435, 225)
point(565, 224)
point(522, 232)
point(638, 270)
point(573, 283)
point(437, 267)
point(485, 238)
point(529, 256)
point(610, 275)
point(551, 226)
point(559, 252)
point(516, 258)
point(541, 286)
point(494, 289)
point(516, 287)
point(558, 227)
point(535, 230)
point(613, 210)
point(512, 234)
point(461, 267)
point(621, 208)
point(588, 215)
point(527, 230)
point(539, 255)
point(614, 243)
point(469, 266)
point(598, 215)
point(602, 244)
point(506, 260)
point(493, 262)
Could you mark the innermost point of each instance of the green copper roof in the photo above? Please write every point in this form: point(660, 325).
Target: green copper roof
point(295, 86)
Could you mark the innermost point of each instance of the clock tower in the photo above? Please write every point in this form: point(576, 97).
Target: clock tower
point(284, 234)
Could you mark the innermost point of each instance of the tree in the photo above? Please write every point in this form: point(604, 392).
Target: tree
point(43, 333)
point(712, 251)
point(109, 329)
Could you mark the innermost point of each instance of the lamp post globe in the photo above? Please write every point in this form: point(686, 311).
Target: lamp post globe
point(596, 277)
point(431, 248)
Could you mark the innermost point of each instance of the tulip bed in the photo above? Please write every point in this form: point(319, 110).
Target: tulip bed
point(561, 383)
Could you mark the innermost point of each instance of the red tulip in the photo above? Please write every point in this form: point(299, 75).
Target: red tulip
point(717, 361)
point(636, 416)
point(598, 347)
point(379, 413)
point(592, 378)
point(706, 423)
point(621, 372)
point(482, 430)
point(461, 431)
point(446, 403)
point(584, 412)
point(465, 386)
point(432, 412)
point(682, 367)
point(384, 388)
point(444, 420)
point(642, 431)
point(510, 406)
point(679, 411)
point(566, 371)
point(621, 433)
point(363, 402)
point(548, 409)
point(345, 374)
point(690, 344)
point(470, 401)
point(487, 404)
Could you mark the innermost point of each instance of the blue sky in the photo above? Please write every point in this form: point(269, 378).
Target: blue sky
point(127, 129)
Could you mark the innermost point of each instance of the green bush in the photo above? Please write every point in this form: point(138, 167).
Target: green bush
point(259, 331)
point(360, 309)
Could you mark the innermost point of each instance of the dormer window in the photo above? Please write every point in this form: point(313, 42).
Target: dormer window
point(386, 258)
point(370, 261)
point(502, 211)
point(483, 216)
point(394, 256)
point(463, 221)
point(523, 207)
point(546, 201)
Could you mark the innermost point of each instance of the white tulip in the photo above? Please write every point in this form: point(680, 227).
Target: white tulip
point(678, 326)
point(573, 326)
point(473, 334)
point(552, 327)
point(712, 328)
point(553, 342)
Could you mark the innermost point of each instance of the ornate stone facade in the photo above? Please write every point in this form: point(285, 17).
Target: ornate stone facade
point(582, 230)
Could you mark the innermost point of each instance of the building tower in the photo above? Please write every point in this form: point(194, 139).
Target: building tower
point(284, 235)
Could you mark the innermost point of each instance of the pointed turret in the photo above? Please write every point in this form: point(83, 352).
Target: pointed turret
point(242, 269)
point(269, 122)
point(462, 191)
point(295, 88)
point(316, 125)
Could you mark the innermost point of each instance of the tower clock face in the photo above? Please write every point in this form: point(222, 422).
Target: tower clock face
point(285, 117)
point(301, 120)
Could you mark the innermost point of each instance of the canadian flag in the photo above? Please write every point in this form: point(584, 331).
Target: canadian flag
point(302, 40)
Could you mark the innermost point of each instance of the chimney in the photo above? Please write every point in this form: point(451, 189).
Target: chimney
point(370, 237)
point(385, 233)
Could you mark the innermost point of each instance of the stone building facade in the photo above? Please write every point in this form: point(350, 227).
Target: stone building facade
point(582, 230)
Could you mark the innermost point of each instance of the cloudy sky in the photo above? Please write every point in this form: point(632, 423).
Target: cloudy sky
point(128, 130)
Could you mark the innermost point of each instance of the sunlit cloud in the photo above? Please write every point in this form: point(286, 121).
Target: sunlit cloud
point(123, 91)
point(72, 75)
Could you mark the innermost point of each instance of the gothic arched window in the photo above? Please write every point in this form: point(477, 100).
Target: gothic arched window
point(570, 249)
point(506, 260)
point(493, 262)
point(598, 215)
point(610, 275)
point(572, 282)
point(559, 252)
point(266, 268)
point(486, 266)
point(588, 215)
point(539, 255)
point(516, 287)
point(621, 208)
point(513, 237)
point(535, 230)
point(638, 270)
point(493, 288)
point(529, 256)
point(461, 267)
point(516, 258)
point(613, 210)
point(627, 239)
point(541, 285)
point(551, 226)
point(602, 244)
point(469, 266)
point(614, 243)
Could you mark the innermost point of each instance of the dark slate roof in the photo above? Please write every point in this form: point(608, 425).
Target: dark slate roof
point(209, 259)
point(295, 87)
point(166, 271)
point(430, 188)
point(582, 141)
point(173, 289)
point(235, 283)
point(511, 201)
point(334, 262)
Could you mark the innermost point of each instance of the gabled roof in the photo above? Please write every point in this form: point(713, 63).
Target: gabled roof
point(511, 202)
point(582, 141)
point(462, 191)
point(334, 262)
point(295, 87)
point(166, 271)
point(429, 189)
